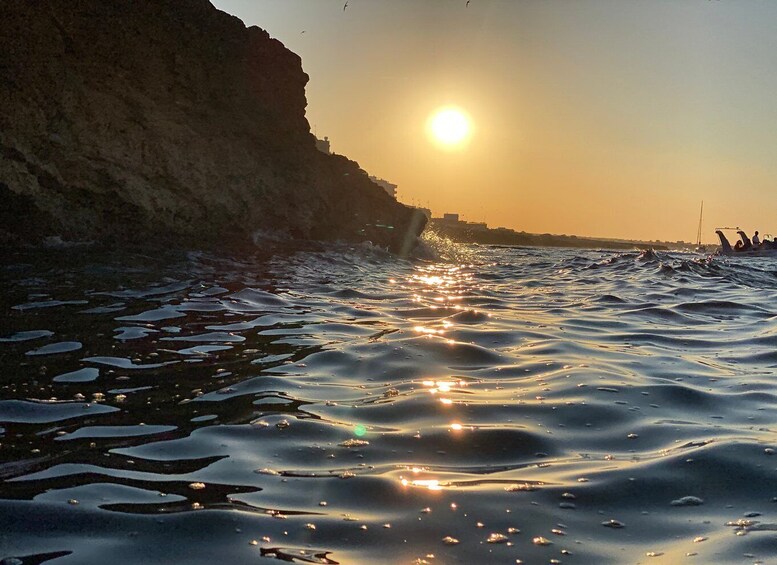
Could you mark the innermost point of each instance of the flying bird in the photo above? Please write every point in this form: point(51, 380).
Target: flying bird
point(345, 6)
point(467, 5)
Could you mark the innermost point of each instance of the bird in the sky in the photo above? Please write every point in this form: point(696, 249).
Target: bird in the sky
point(345, 6)
point(467, 5)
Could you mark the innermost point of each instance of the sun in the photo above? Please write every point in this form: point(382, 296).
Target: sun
point(449, 127)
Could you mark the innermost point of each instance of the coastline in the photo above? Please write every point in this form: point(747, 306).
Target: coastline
point(488, 236)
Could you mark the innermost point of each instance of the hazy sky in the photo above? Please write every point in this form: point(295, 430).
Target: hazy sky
point(601, 118)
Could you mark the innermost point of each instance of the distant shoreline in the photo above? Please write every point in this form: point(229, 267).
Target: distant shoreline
point(463, 233)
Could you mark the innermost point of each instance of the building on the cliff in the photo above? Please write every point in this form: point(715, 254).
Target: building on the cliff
point(453, 220)
point(323, 145)
point(389, 187)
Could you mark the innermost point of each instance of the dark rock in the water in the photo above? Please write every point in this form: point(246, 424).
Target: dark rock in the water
point(167, 119)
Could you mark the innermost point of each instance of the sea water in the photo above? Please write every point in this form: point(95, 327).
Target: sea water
point(342, 405)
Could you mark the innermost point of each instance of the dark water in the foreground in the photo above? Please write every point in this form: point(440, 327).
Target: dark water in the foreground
point(548, 406)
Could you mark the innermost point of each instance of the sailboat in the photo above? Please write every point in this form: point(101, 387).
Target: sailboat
point(699, 247)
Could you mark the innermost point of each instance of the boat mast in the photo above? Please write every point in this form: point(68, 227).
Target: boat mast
point(698, 234)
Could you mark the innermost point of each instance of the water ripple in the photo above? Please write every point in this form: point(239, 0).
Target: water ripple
point(345, 406)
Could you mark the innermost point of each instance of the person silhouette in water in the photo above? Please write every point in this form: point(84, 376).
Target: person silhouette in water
point(744, 243)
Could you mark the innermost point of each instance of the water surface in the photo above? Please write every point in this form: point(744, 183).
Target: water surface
point(498, 405)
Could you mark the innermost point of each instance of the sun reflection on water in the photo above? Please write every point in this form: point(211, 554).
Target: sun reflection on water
point(444, 387)
point(429, 484)
point(442, 285)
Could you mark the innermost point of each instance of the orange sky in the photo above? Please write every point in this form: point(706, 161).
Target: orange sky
point(600, 118)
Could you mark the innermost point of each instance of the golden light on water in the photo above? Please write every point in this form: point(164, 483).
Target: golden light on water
point(431, 280)
point(430, 484)
point(449, 127)
point(447, 386)
point(427, 331)
point(442, 386)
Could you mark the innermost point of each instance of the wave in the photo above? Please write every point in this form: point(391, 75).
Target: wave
point(348, 405)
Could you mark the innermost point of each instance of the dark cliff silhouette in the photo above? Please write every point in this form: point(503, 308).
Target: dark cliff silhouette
point(167, 119)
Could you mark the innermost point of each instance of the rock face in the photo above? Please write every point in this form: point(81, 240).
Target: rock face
point(137, 119)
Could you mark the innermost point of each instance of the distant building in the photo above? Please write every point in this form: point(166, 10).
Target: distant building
point(323, 145)
point(454, 220)
point(389, 187)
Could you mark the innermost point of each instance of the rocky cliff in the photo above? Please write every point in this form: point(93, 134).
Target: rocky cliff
point(136, 119)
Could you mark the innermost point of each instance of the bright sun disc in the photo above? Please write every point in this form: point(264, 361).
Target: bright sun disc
point(449, 126)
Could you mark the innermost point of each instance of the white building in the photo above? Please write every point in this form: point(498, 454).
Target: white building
point(389, 187)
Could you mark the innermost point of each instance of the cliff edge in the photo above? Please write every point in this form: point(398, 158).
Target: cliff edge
point(167, 119)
